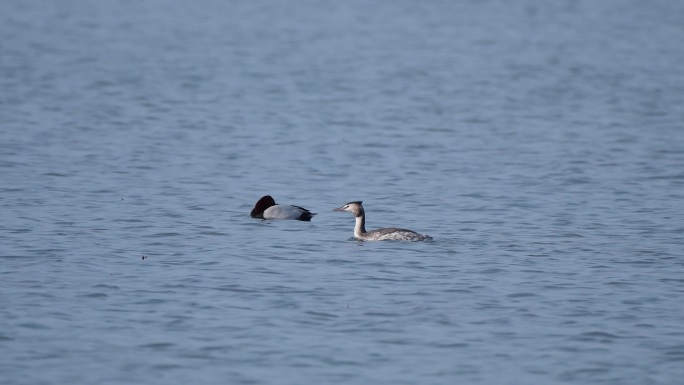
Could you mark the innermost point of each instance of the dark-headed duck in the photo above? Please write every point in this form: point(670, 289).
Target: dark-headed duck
point(266, 208)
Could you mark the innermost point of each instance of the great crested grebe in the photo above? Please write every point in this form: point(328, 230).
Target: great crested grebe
point(390, 233)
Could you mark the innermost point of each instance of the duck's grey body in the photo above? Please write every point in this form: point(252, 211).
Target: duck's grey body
point(385, 234)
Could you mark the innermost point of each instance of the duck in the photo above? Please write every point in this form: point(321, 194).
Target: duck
point(389, 233)
point(266, 208)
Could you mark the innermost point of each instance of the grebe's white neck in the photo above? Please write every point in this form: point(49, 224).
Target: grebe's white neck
point(360, 227)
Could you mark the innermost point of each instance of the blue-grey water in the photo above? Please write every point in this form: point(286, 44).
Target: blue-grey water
point(541, 144)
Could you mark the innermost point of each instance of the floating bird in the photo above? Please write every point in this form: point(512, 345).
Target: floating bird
point(390, 233)
point(266, 208)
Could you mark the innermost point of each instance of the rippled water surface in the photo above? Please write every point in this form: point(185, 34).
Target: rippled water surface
point(541, 144)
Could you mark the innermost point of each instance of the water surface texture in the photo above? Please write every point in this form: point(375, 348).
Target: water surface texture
point(541, 144)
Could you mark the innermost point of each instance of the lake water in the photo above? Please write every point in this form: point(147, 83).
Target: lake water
point(541, 144)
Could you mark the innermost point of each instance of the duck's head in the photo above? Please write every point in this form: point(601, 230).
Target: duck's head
point(353, 207)
point(265, 202)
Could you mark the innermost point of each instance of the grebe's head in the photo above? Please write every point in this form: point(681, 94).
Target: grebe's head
point(353, 207)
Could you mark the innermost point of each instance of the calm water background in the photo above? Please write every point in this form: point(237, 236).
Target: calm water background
point(540, 143)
